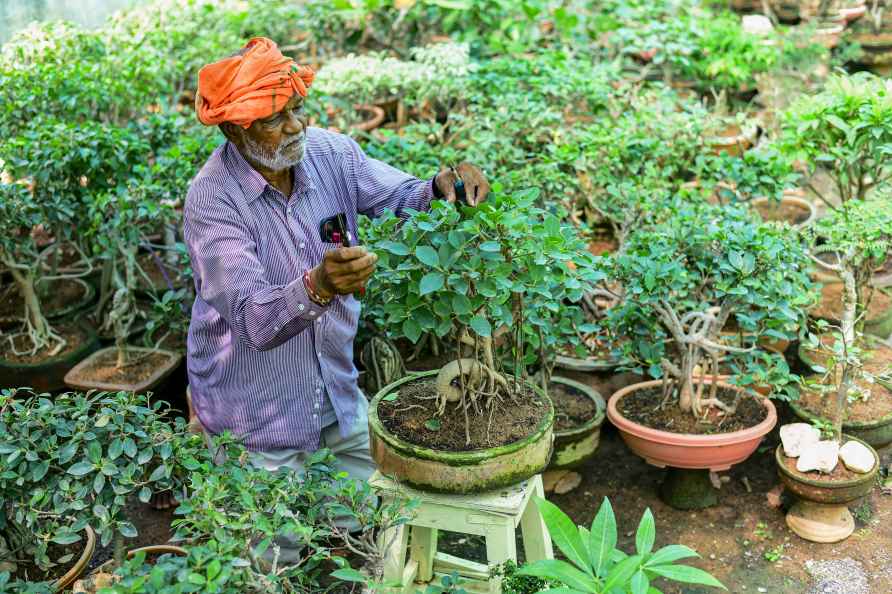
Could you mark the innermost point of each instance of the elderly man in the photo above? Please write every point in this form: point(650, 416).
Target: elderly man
point(270, 346)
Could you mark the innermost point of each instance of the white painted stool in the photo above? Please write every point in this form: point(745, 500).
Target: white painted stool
point(494, 515)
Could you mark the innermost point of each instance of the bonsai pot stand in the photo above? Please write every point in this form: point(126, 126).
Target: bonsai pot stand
point(495, 515)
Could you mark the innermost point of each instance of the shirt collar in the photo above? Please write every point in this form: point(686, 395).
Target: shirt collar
point(252, 183)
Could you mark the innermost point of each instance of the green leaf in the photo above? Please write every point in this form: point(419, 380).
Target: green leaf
point(644, 538)
point(158, 474)
point(127, 529)
point(412, 330)
point(66, 538)
point(145, 494)
point(130, 447)
point(98, 483)
point(348, 574)
point(603, 537)
point(432, 281)
point(565, 534)
point(686, 574)
point(461, 305)
point(491, 246)
point(481, 326)
point(396, 248)
point(433, 424)
point(640, 583)
point(619, 576)
point(561, 571)
point(115, 448)
point(38, 471)
point(671, 553)
point(144, 455)
point(391, 397)
point(427, 255)
point(67, 453)
point(81, 468)
point(102, 421)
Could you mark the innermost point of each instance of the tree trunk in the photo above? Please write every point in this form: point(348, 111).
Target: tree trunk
point(849, 312)
point(33, 311)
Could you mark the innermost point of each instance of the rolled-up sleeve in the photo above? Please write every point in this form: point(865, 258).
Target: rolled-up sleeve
point(380, 187)
point(230, 277)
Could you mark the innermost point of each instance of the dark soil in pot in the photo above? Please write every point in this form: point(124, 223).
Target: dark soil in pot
point(572, 408)
point(641, 407)
point(74, 334)
point(29, 572)
point(57, 298)
point(877, 406)
point(416, 405)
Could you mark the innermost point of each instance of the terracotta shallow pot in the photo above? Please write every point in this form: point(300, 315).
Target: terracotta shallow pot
point(76, 379)
point(444, 471)
point(763, 205)
point(662, 448)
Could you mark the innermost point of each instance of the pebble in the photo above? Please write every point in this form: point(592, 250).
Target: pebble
point(550, 479)
point(797, 436)
point(567, 483)
point(857, 457)
point(837, 576)
point(822, 456)
point(757, 24)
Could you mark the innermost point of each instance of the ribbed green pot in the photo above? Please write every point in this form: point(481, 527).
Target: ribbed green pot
point(473, 471)
point(574, 446)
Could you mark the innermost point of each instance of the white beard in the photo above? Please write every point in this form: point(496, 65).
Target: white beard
point(276, 161)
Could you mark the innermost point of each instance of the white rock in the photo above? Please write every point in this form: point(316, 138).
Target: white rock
point(796, 436)
point(757, 24)
point(856, 457)
point(822, 456)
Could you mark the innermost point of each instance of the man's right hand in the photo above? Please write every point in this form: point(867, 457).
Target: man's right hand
point(343, 271)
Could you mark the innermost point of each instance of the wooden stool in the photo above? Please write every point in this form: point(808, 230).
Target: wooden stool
point(494, 515)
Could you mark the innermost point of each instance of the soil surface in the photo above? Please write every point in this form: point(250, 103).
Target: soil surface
point(572, 408)
point(103, 368)
point(879, 403)
point(412, 415)
point(53, 297)
point(29, 572)
point(830, 306)
point(839, 474)
point(72, 333)
point(784, 211)
point(641, 407)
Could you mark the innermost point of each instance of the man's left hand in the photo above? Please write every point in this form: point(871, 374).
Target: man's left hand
point(476, 186)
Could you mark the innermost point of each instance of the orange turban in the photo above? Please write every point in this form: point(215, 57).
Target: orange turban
point(249, 87)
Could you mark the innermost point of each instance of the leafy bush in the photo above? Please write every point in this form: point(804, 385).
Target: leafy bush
point(73, 461)
point(708, 265)
point(596, 566)
point(846, 129)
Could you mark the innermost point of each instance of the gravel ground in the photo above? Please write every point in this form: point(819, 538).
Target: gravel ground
point(837, 576)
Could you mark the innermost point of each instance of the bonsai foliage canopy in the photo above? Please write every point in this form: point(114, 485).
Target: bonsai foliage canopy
point(708, 266)
point(846, 129)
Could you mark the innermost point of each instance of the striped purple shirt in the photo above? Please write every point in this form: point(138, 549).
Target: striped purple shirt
point(263, 359)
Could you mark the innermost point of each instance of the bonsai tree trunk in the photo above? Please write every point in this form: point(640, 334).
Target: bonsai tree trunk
point(849, 312)
point(37, 328)
point(123, 310)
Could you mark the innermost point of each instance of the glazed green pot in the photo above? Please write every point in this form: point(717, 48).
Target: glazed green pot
point(840, 492)
point(47, 375)
point(574, 446)
point(444, 471)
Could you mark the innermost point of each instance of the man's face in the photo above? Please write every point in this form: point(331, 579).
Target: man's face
point(277, 142)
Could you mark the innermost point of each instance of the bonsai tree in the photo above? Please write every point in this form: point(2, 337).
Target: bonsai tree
point(706, 265)
point(72, 461)
point(859, 235)
point(477, 279)
point(595, 566)
point(763, 171)
point(846, 129)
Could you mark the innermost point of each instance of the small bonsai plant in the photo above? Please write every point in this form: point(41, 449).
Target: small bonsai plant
point(478, 279)
point(846, 129)
point(859, 236)
point(595, 566)
point(708, 265)
point(72, 461)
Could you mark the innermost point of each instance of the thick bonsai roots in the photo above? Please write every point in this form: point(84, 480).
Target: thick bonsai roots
point(472, 386)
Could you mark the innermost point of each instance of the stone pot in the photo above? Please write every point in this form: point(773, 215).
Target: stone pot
point(63, 583)
point(764, 206)
point(473, 471)
point(47, 375)
point(77, 379)
point(821, 513)
point(712, 452)
point(574, 446)
point(734, 139)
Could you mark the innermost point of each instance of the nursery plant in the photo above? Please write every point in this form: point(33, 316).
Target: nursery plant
point(846, 130)
point(707, 266)
point(596, 566)
point(73, 461)
point(468, 277)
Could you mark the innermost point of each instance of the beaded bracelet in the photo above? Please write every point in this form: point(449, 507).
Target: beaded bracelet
point(311, 291)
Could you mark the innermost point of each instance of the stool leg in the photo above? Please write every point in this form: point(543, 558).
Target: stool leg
point(423, 549)
point(395, 561)
point(500, 547)
point(536, 539)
